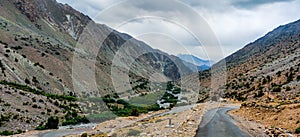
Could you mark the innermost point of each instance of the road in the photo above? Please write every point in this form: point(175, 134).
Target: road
point(216, 123)
point(60, 133)
point(78, 129)
point(176, 110)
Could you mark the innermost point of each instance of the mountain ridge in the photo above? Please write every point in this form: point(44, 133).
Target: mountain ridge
point(199, 63)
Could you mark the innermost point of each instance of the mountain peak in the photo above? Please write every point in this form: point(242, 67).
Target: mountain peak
point(194, 60)
point(201, 64)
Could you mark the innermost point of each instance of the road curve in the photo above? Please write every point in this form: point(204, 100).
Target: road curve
point(216, 123)
point(60, 133)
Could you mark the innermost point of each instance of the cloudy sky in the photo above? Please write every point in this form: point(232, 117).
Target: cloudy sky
point(172, 26)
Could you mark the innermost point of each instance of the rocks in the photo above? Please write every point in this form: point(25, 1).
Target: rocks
point(278, 132)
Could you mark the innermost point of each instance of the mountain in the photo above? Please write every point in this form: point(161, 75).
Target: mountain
point(51, 55)
point(200, 63)
point(264, 75)
point(269, 63)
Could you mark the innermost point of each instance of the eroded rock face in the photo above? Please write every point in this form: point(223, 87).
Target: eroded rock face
point(28, 8)
point(56, 14)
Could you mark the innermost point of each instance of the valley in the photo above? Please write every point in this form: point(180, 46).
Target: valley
point(63, 74)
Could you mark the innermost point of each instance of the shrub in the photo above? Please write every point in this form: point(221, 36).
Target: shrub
point(134, 112)
point(17, 47)
point(259, 94)
point(297, 130)
point(38, 92)
point(276, 89)
point(27, 81)
point(288, 88)
point(7, 104)
point(133, 132)
point(84, 135)
point(56, 103)
point(6, 133)
point(52, 123)
point(76, 120)
point(40, 127)
point(34, 106)
point(34, 80)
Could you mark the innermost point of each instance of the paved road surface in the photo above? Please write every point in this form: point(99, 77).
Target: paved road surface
point(216, 123)
point(60, 133)
point(65, 130)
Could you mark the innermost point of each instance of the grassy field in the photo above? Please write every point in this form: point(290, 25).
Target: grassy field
point(146, 100)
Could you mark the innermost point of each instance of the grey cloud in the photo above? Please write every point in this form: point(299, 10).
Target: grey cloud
point(249, 4)
point(235, 22)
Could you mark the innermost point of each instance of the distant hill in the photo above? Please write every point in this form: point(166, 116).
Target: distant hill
point(200, 63)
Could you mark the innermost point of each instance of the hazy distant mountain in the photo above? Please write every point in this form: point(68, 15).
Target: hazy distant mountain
point(200, 63)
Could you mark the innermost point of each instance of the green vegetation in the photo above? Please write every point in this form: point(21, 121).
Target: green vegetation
point(75, 120)
point(4, 118)
point(38, 64)
point(143, 84)
point(288, 88)
point(259, 94)
point(40, 127)
point(170, 98)
point(122, 108)
point(103, 116)
point(7, 133)
point(38, 92)
point(276, 89)
point(2, 67)
point(84, 135)
point(297, 130)
point(235, 95)
point(133, 132)
point(146, 100)
point(52, 123)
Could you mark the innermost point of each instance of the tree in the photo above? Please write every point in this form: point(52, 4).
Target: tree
point(134, 112)
point(52, 123)
point(27, 81)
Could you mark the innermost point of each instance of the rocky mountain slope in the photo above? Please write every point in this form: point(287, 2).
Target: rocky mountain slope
point(42, 41)
point(265, 76)
point(268, 65)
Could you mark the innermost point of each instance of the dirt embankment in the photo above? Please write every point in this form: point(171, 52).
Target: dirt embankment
point(269, 118)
